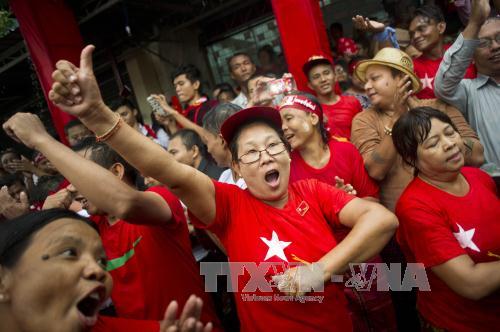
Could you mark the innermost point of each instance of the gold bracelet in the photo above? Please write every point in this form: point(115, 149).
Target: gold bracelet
point(387, 131)
point(111, 131)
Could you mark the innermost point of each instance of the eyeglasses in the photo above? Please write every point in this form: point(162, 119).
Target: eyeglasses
point(487, 42)
point(253, 156)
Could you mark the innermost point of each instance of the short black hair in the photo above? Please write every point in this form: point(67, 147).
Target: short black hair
point(268, 49)
point(16, 234)
point(431, 12)
point(234, 56)
point(190, 139)
point(413, 128)
point(325, 135)
point(213, 119)
point(71, 124)
point(10, 150)
point(225, 87)
point(126, 102)
point(233, 145)
point(103, 155)
point(192, 73)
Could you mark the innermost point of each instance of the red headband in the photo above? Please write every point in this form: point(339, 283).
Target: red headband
point(302, 103)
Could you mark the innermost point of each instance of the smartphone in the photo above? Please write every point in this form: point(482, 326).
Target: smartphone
point(155, 105)
point(280, 86)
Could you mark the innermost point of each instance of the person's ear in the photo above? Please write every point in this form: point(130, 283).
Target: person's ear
point(118, 170)
point(441, 27)
point(196, 151)
point(314, 119)
point(223, 142)
point(196, 85)
point(5, 284)
point(235, 166)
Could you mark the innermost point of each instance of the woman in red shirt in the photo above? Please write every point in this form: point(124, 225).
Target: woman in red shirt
point(271, 224)
point(53, 278)
point(449, 222)
point(317, 156)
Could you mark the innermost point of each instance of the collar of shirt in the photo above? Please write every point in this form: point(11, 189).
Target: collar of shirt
point(481, 80)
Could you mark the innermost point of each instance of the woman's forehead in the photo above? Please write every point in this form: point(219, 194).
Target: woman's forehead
point(65, 228)
point(256, 132)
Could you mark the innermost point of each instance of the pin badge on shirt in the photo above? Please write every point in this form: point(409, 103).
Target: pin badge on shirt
point(302, 208)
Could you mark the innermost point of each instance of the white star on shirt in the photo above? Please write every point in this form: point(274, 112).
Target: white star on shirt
point(465, 238)
point(427, 82)
point(275, 247)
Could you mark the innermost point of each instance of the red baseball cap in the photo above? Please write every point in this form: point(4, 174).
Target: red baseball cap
point(314, 61)
point(238, 119)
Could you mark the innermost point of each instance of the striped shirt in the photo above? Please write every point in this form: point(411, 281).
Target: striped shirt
point(478, 99)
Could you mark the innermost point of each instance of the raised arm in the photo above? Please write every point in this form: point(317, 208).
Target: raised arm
point(181, 119)
point(97, 184)
point(76, 92)
point(448, 81)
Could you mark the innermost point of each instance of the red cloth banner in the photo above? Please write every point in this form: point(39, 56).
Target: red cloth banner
point(303, 34)
point(51, 33)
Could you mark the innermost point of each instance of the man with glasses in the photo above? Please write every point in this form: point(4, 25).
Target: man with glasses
point(479, 98)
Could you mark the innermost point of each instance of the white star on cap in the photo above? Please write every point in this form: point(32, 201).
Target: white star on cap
point(465, 238)
point(427, 82)
point(275, 247)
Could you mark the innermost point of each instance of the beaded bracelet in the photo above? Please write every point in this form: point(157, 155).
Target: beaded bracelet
point(111, 131)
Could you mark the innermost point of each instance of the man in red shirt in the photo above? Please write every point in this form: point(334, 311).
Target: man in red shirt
point(144, 234)
point(187, 83)
point(427, 33)
point(338, 110)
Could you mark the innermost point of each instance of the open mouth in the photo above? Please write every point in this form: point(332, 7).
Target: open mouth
point(88, 307)
point(495, 57)
point(272, 178)
point(289, 136)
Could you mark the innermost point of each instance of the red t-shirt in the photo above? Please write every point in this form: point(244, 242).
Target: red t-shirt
point(340, 116)
point(253, 231)
point(426, 70)
point(345, 162)
point(152, 265)
point(434, 227)
point(197, 111)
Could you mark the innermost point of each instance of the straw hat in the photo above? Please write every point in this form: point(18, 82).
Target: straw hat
point(394, 58)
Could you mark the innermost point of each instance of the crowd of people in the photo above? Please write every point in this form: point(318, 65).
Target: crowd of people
point(392, 156)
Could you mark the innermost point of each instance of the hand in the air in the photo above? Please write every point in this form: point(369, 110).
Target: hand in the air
point(75, 89)
point(26, 128)
point(189, 320)
point(365, 24)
